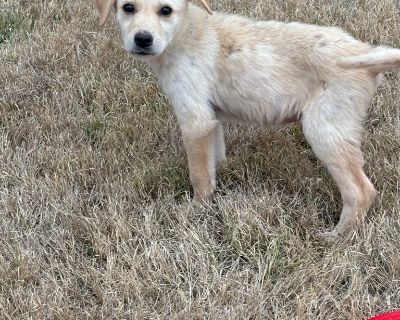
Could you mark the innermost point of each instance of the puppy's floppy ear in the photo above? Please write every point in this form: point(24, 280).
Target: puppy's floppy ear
point(103, 8)
point(205, 5)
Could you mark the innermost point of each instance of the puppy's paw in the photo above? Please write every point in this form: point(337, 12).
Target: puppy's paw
point(204, 191)
point(203, 197)
point(328, 237)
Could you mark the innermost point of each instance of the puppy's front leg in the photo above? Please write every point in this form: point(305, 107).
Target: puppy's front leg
point(199, 139)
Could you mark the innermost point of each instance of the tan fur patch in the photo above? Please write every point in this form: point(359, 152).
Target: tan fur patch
point(199, 152)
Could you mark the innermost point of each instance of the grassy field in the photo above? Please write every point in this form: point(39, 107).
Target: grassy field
point(95, 216)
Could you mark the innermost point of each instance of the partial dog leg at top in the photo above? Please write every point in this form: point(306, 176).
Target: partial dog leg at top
point(220, 150)
point(333, 130)
point(200, 144)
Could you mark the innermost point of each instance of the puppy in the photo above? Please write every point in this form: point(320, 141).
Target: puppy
point(215, 67)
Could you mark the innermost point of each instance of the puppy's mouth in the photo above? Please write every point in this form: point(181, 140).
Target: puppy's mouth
point(143, 53)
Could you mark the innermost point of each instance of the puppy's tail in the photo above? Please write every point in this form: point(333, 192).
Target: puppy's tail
point(378, 60)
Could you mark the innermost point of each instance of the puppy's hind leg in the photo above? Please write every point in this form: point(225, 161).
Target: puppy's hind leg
point(333, 130)
point(356, 190)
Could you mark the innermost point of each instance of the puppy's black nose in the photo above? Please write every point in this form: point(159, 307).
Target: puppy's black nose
point(143, 39)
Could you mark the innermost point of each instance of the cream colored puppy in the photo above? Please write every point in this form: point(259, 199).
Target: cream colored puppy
point(215, 67)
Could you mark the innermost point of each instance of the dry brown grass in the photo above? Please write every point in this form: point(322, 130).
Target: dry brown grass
point(95, 220)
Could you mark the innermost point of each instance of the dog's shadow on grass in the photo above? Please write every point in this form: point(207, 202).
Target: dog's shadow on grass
point(279, 160)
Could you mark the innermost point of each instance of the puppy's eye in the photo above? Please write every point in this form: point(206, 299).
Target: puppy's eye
point(128, 8)
point(166, 11)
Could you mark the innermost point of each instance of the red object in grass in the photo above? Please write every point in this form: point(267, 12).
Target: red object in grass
point(395, 315)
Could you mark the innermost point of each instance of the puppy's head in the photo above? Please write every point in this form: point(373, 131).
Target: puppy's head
point(147, 26)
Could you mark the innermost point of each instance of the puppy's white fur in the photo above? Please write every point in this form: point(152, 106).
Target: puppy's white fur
point(218, 67)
